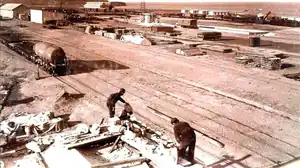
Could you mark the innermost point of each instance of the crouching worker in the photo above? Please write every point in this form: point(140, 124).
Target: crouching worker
point(126, 112)
point(112, 100)
point(186, 138)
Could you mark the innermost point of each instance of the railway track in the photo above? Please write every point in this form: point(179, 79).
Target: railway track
point(93, 90)
point(234, 97)
point(92, 98)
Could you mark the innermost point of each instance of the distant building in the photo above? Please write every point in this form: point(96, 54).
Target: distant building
point(193, 11)
point(103, 5)
point(202, 12)
point(42, 15)
point(184, 11)
point(12, 10)
point(218, 13)
point(93, 5)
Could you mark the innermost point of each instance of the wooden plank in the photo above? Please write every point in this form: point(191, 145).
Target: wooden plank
point(142, 159)
point(92, 140)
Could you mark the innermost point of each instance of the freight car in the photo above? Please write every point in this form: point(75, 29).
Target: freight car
point(50, 57)
point(190, 23)
point(209, 35)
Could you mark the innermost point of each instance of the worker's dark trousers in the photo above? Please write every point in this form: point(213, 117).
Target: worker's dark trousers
point(124, 115)
point(111, 108)
point(187, 143)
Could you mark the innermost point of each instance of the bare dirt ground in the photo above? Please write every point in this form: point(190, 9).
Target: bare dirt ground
point(208, 92)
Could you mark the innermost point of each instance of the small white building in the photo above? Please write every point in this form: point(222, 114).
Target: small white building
point(218, 13)
point(193, 11)
point(184, 11)
point(12, 10)
point(203, 12)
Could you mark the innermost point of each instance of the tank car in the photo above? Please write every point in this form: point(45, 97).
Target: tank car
point(51, 57)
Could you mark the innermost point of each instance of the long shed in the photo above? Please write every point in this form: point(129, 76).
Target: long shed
point(12, 10)
point(42, 16)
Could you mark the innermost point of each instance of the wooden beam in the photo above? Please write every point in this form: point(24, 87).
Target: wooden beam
point(142, 159)
point(112, 148)
point(92, 140)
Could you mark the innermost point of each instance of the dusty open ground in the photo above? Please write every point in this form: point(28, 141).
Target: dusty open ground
point(254, 112)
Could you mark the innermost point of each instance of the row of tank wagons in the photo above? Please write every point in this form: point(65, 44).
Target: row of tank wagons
point(48, 56)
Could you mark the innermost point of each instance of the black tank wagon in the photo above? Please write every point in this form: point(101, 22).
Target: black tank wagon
point(51, 57)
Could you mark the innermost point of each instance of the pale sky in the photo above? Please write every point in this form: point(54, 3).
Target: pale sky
point(208, 0)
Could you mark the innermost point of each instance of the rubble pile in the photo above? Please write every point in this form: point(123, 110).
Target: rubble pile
point(263, 58)
point(5, 89)
point(48, 139)
point(269, 62)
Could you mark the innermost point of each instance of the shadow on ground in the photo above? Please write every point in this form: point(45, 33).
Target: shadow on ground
point(22, 101)
point(229, 161)
point(84, 66)
point(295, 76)
point(287, 65)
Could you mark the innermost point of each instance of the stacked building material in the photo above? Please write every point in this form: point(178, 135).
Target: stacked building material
point(113, 36)
point(100, 32)
point(189, 51)
point(209, 35)
point(216, 48)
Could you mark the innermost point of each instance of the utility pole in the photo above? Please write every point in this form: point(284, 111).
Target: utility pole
point(143, 6)
point(61, 3)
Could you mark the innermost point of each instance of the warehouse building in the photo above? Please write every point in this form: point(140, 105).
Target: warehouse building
point(12, 10)
point(43, 15)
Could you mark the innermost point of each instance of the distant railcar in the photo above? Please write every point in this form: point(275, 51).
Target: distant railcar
point(209, 35)
point(189, 23)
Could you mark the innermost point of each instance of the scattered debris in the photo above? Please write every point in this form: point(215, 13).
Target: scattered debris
point(190, 52)
point(269, 62)
point(2, 164)
point(35, 147)
point(113, 36)
point(49, 147)
point(136, 39)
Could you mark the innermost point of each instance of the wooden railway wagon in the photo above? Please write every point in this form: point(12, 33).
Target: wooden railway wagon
point(209, 35)
point(189, 23)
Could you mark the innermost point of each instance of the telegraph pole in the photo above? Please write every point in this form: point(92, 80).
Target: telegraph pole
point(143, 6)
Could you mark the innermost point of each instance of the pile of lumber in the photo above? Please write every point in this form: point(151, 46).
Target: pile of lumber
point(216, 48)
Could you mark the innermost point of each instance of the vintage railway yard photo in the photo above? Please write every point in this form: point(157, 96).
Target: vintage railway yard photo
point(149, 84)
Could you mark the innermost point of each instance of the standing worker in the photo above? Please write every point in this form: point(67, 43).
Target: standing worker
point(112, 100)
point(186, 138)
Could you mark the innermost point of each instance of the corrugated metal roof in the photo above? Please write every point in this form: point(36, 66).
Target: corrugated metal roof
point(93, 5)
point(103, 4)
point(10, 6)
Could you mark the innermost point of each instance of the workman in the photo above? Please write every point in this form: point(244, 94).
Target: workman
point(126, 112)
point(112, 100)
point(186, 138)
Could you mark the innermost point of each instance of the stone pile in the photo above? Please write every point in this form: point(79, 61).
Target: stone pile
point(134, 143)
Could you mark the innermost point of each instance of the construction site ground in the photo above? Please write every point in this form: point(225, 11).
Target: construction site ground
point(254, 112)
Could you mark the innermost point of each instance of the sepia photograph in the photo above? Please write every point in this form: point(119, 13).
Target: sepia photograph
point(149, 84)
